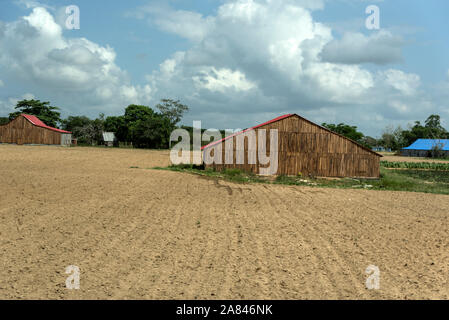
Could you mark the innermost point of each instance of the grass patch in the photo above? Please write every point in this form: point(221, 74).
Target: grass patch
point(426, 175)
point(427, 181)
point(234, 175)
point(416, 165)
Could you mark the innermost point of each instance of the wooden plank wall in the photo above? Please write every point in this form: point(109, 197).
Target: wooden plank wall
point(310, 150)
point(21, 131)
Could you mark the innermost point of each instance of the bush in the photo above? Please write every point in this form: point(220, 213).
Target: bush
point(415, 165)
point(232, 172)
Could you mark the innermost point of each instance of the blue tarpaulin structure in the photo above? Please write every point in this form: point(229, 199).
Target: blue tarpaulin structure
point(422, 147)
point(428, 144)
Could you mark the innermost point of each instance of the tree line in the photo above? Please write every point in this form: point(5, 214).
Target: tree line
point(143, 127)
point(395, 138)
point(398, 138)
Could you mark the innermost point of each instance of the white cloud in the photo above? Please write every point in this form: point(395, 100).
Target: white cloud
point(190, 25)
point(5, 108)
point(221, 80)
point(28, 96)
point(399, 106)
point(1, 83)
point(354, 48)
point(29, 4)
point(35, 50)
point(263, 58)
point(278, 50)
point(8, 106)
point(340, 83)
point(405, 83)
point(247, 62)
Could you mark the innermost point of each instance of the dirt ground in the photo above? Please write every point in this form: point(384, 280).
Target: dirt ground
point(137, 233)
point(393, 158)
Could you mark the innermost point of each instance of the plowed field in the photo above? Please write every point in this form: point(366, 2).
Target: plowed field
point(137, 233)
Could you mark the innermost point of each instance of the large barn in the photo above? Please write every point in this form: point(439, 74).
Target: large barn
point(303, 148)
point(29, 129)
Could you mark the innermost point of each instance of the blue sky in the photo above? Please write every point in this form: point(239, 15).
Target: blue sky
point(235, 63)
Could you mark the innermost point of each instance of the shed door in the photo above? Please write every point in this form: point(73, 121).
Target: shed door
point(66, 139)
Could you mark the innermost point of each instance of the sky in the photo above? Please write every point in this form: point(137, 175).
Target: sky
point(235, 63)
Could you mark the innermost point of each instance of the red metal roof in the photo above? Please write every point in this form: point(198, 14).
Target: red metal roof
point(37, 122)
point(243, 131)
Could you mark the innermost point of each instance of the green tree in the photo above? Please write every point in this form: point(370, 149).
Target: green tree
point(392, 138)
point(98, 128)
point(42, 110)
point(172, 109)
point(345, 130)
point(414, 132)
point(432, 129)
point(134, 113)
point(87, 131)
point(146, 128)
point(86, 134)
point(73, 122)
point(4, 120)
point(369, 142)
point(152, 132)
point(140, 124)
point(117, 125)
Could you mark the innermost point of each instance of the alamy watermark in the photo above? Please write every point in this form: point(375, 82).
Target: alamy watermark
point(237, 145)
point(73, 17)
point(73, 280)
point(373, 279)
point(372, 22)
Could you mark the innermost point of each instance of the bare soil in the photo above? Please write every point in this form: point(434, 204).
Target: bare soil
point(393, 158)
point(138, 233)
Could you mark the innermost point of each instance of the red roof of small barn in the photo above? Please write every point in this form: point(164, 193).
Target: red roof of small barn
point(37, 122)
point(243, 131)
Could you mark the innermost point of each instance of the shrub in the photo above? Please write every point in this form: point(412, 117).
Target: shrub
point(416, 165)
point(232, 172)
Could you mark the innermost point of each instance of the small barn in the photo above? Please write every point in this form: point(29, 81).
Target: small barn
point(303, 148)
point(29, 129)
point(109, 139)
point(427, 148)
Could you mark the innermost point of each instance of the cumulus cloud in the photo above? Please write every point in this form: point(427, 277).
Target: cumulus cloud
point(355, 48)
point(5, 107)
point(249, 61)
point(262, 58)
point(220, 80)
point(406, 84)
point(259, 59)
point(35, 50)
point(277, 54)
point(8, 106)
point(190, 25)
point(399, 106)
point(29, 4)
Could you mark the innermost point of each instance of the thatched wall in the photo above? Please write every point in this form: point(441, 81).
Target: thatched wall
point(21, 131)
point(309, 149)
